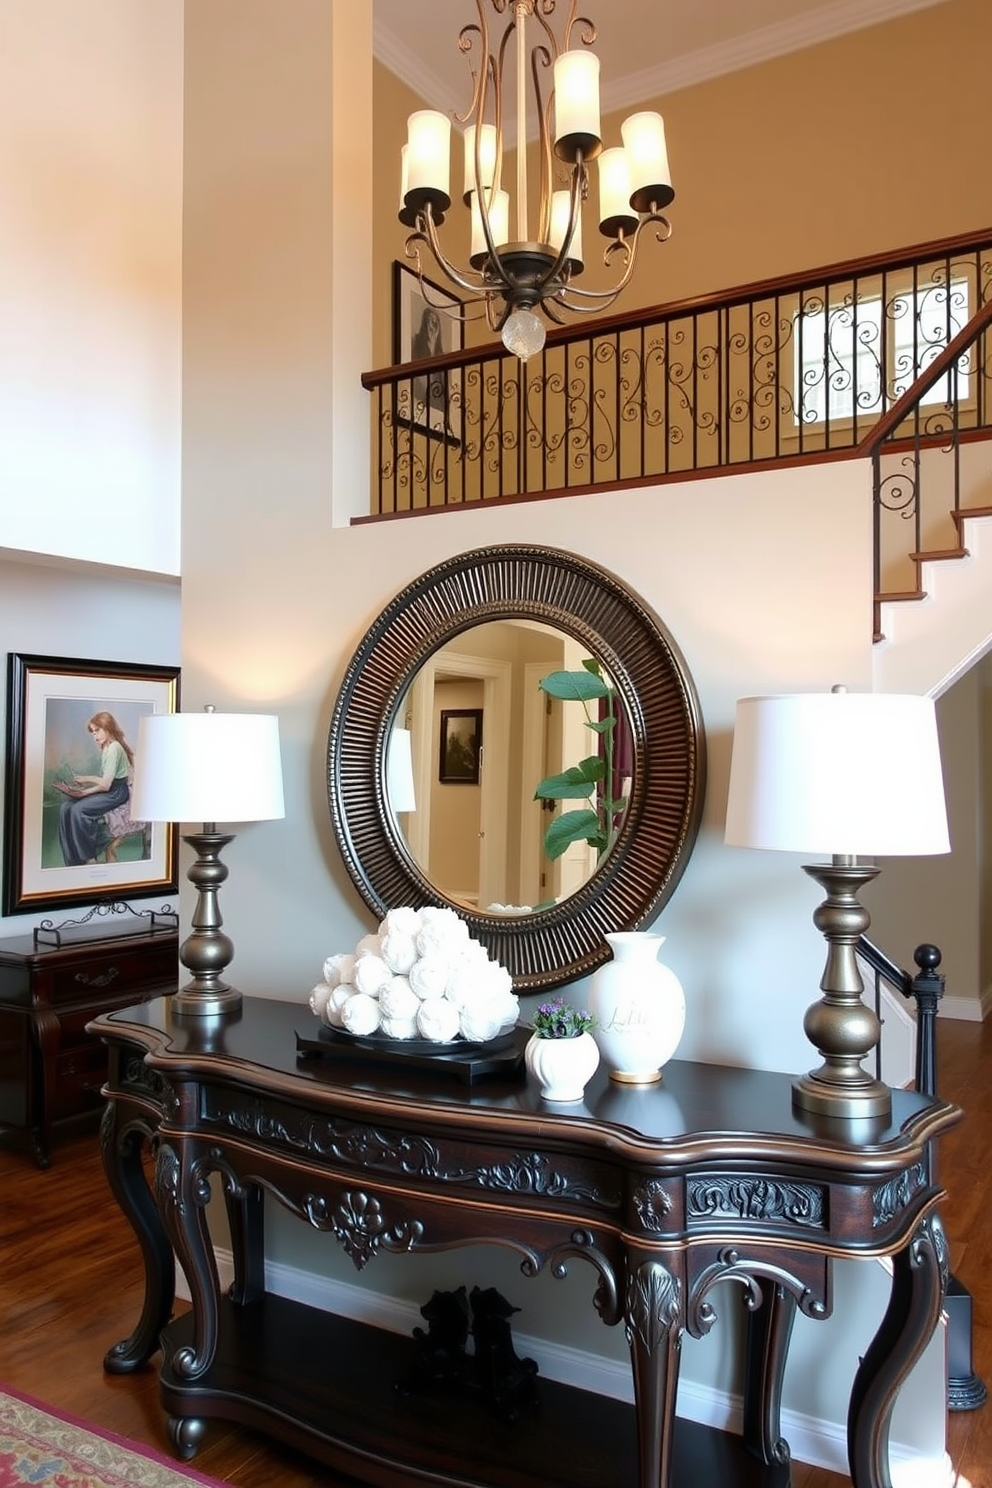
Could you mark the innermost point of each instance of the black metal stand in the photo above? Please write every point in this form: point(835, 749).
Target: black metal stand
point(47, 934)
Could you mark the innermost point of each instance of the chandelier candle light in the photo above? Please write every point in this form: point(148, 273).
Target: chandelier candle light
point(208, 767)
point(514, 277)
point(846, 774)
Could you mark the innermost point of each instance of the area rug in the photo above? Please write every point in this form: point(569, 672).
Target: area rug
point(45, 1448)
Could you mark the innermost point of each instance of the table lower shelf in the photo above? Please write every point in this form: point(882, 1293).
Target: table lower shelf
point(328, 1386)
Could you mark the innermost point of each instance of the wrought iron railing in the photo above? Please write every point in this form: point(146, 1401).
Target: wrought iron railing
point(796, 368)
point(928, 471)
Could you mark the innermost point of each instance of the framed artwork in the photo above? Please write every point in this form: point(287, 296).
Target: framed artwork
point(461, 746)
point(432, 402)
point(69, 837)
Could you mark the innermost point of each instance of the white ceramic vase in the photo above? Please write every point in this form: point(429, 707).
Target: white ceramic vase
point(562, 1067)
point(639, 1007)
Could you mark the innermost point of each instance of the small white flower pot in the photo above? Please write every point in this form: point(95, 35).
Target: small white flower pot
point(562, 1067)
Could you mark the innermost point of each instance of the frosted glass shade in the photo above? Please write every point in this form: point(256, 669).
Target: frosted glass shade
point(842, 773)
point(576, 102)
point(428, 156)
point(208, 767)
point(560, 201)
point(647, 160)
point(614, 188)
point(487, 161)
point(498, 203)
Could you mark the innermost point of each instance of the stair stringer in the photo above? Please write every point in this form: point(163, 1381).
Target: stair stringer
point(930, 642)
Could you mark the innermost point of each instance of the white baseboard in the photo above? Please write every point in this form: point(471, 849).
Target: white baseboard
point(820, 1443)
point(966, 1009)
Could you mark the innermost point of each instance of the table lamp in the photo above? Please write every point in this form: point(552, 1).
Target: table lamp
point(845, 774)
point(207, 767)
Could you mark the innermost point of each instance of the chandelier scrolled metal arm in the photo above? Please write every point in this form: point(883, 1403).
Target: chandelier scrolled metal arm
point(513, 277)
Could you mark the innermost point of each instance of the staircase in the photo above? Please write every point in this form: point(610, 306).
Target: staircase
point(929, 642)
point(932, 477)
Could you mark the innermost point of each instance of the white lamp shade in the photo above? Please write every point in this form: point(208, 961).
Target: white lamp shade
point(560, 204)
point(647, 153)
point(843, 773)
point(498, 205)
point(208, 767)
point(576, 94)
point(487, 158)
point(399, 771)
point(428, 154)
point(614, 185)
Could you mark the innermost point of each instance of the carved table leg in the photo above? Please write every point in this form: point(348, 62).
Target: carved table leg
point(182, 1191)
point(769, 1331)
point(122, 1161)
point(653, 1323)
point(919, 1281)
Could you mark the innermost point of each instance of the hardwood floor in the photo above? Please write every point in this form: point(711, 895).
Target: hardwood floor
point(70, 1285)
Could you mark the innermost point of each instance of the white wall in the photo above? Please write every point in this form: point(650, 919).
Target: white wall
point(90, 219)
point(64, 610)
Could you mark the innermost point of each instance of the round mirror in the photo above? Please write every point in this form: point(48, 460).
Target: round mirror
point(503, 675)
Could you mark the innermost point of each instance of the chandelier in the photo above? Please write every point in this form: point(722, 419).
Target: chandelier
point(515, 277)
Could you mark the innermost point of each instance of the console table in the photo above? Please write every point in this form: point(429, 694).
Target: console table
point(664, 1192)
point(51, 985)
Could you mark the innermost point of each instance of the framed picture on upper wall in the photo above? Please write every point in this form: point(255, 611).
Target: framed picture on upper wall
point(69, 837)
point(426, 324)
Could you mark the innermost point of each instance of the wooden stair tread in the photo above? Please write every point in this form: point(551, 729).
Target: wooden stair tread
point(939, 553)
point(970, 511)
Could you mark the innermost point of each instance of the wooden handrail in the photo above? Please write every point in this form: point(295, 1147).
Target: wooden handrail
point(917, 390)
point(740, 294)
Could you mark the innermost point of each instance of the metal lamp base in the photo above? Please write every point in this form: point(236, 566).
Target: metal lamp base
point(193, 1001)
point(822, 1099)
point(207, 952)
point(840, 1025)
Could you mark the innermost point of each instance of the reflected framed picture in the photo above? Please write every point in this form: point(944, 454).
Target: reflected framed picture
point(426, 324)
point(69, 837)
point(461, 746)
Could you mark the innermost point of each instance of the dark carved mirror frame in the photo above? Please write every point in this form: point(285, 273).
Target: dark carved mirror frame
point(552, 946)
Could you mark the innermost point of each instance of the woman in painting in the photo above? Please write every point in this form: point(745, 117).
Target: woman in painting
point(431, 392)
point(83, 829)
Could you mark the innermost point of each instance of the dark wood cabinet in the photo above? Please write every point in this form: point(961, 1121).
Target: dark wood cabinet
point(51, 1069)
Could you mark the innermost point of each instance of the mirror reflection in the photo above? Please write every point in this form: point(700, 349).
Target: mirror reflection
point(476, 735)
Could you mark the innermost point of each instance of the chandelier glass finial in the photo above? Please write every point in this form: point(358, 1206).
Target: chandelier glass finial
point(523, 267)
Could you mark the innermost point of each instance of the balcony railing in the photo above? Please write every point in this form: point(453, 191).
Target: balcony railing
point(792, 369)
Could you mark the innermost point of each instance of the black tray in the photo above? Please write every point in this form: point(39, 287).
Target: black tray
point(467, 1062)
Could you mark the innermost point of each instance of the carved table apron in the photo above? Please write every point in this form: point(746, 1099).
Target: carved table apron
point(664, 1191)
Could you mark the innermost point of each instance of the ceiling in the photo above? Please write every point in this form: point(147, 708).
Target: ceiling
point(687, 41)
